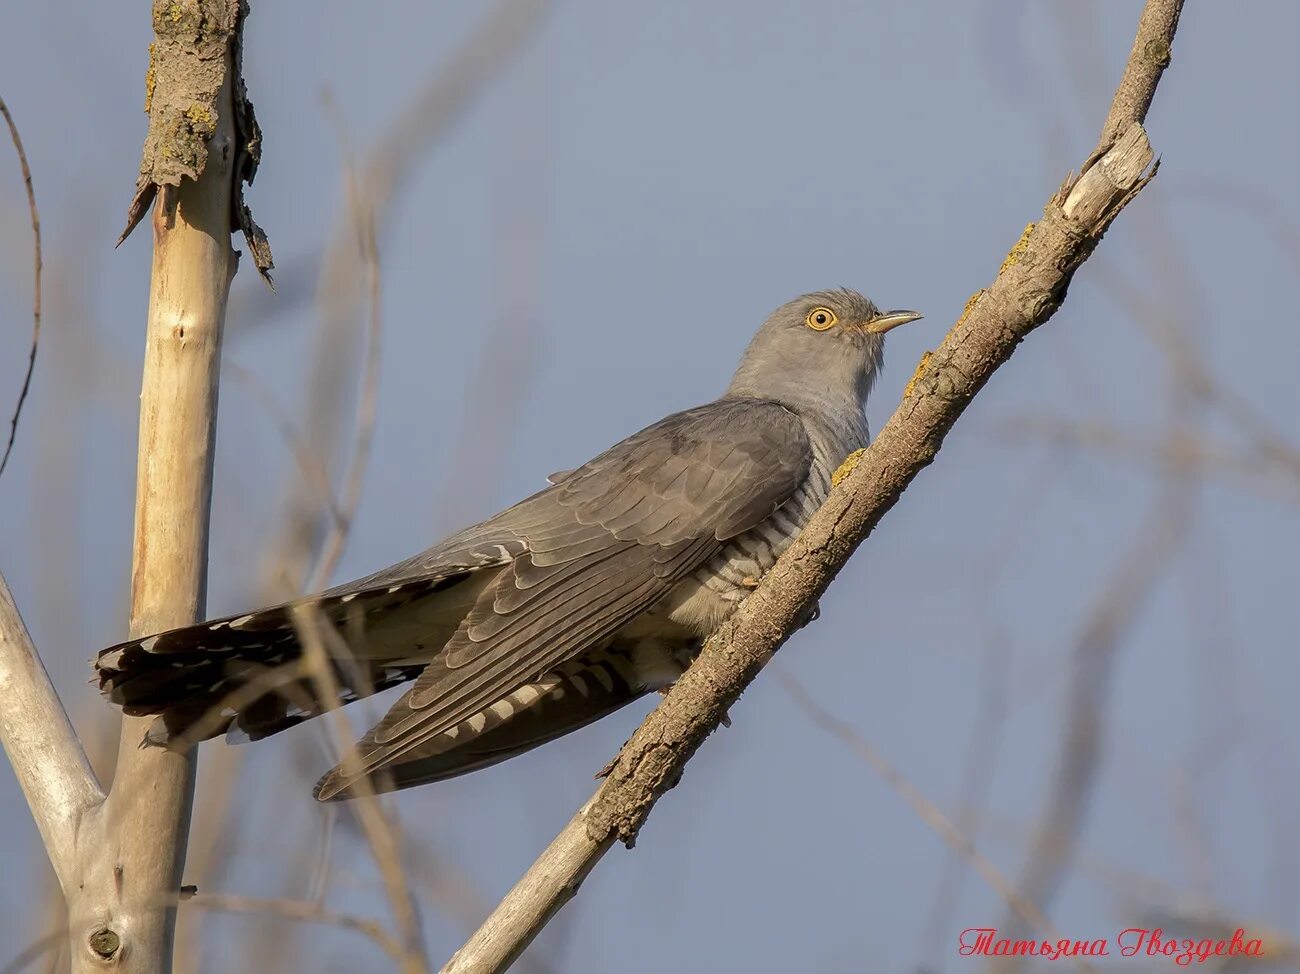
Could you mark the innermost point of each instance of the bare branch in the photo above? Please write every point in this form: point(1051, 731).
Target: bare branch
point(551, 881)
point(363, 218)
point(36, 280)
point(1152, 51)
point(51, 766)
point(132, 848)
point(1028, 289)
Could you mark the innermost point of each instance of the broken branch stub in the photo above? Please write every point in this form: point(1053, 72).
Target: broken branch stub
point(187, 66)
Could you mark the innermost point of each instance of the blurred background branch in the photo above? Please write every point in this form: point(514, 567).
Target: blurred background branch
point(501, 37)
point(36, 280)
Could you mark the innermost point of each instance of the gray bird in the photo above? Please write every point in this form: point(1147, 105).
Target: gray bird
point(561, 609)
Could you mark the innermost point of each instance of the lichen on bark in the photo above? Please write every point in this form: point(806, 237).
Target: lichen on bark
point(196, 48)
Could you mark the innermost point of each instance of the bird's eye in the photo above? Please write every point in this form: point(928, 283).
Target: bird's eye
point(819, 319)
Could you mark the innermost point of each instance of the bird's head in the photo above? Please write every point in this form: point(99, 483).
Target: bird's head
point(826, 346)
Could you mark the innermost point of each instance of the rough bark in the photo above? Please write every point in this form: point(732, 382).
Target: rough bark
point(194, 89)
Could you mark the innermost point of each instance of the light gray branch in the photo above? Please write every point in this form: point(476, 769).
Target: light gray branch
point(1029, 287)
point(51, 765)
point(119, 857)
point(123, 911)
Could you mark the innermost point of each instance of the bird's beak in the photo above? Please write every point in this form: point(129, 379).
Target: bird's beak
point(887, 320)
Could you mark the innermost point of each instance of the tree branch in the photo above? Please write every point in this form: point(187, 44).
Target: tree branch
point(51, 766)
point(202, 145)
point(1028, 289)
point(1152, 51)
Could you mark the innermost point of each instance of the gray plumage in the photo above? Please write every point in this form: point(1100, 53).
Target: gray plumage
point(562, 608)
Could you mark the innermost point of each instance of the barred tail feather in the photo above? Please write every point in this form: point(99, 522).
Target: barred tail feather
point(244, 675)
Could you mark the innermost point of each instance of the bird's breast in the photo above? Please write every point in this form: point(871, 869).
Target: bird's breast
point(705, 599)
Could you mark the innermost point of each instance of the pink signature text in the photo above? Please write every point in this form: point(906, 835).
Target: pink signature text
point(1133, 942)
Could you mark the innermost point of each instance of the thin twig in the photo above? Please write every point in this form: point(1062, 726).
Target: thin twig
point(496, 389)
point(982, 751)
point(212, 840)
point(36, 279)
point(319, 883)
point(363, 217)
point(378, 827)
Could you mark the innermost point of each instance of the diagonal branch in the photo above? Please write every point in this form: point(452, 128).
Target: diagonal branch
point(1152, 51)
point(1029, 287)
point(51, 765)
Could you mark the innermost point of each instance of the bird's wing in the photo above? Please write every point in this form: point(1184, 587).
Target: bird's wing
point(602, 547)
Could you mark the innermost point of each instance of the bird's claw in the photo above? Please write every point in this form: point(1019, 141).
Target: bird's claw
point(809, 615)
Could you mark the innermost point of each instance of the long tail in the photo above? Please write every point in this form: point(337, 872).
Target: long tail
point(246, 675)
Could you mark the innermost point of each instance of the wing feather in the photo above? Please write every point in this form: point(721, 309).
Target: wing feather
point(602, 546)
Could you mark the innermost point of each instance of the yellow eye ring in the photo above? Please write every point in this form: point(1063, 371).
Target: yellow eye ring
point(819, 319)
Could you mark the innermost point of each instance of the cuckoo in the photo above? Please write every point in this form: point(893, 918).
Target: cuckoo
point(559, 610)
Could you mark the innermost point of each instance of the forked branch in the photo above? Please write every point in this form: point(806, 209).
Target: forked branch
point(118, 857)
